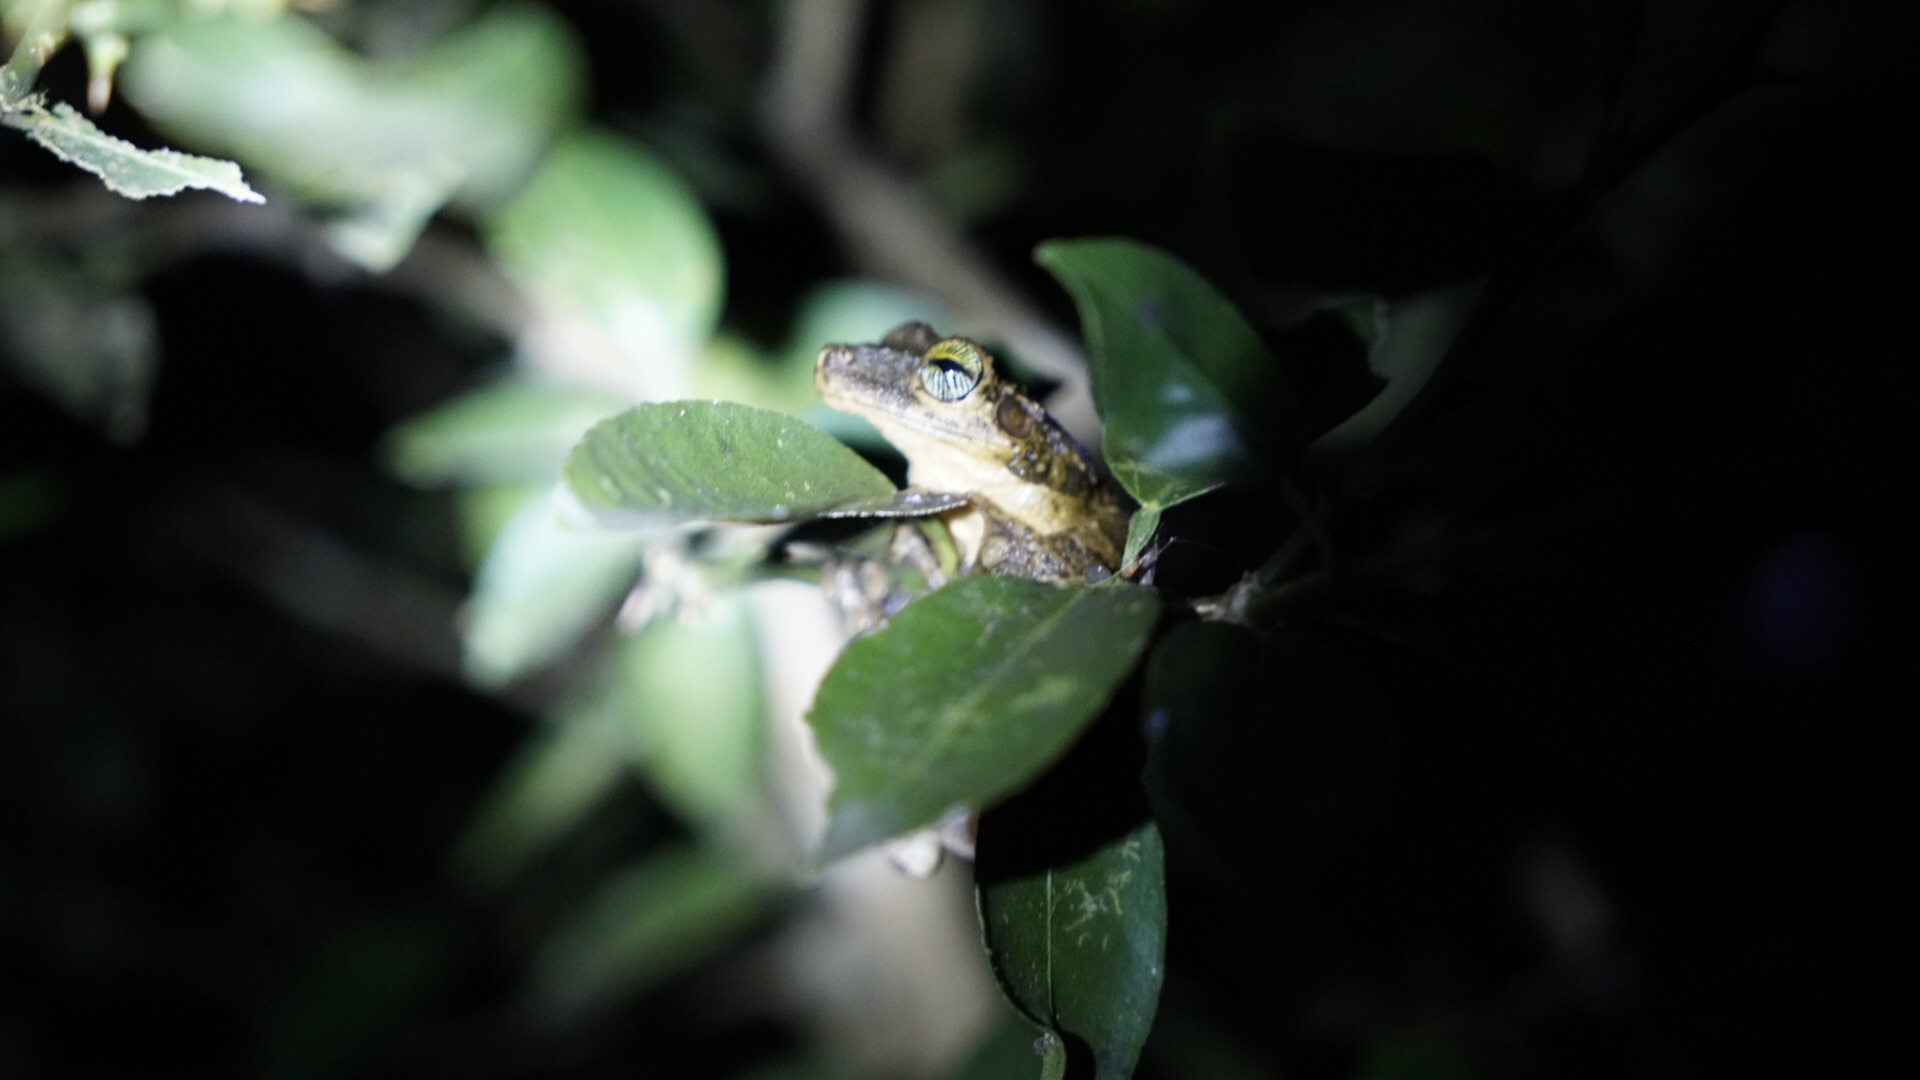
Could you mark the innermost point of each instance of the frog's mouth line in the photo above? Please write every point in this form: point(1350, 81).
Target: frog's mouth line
point(873, 381)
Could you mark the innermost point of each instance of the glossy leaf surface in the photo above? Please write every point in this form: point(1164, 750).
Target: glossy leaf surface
point(1078, 947)
point(716, 461)
point(966, 695)
point(1188, 394)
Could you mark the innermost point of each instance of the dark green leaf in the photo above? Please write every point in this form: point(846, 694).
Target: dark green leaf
point(716, 461)
point(1267, 750)
point(1187, 392)
point(966, 695)
point(1078, 947)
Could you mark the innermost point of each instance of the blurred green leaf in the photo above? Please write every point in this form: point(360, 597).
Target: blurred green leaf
point(1009, 1051)
point(967, 694)
point(649, 922)
point(542, 586)
point(379, 233)
point(1078, 948)
point(856, 309)
point(731, 368)
point(515, 429)
point(92, 345)
point(850, 311)
point(467, 119)
point(1188, 395)
point(554, 781)
point(1053, 1058)
point(484, 512)
point(716, 461)
point(697, 711)
point(123, 167)
point(607, 235)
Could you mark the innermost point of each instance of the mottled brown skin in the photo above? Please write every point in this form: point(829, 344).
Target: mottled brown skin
point(1035, 506)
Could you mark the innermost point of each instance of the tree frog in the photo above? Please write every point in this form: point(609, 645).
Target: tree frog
point(1035, 507)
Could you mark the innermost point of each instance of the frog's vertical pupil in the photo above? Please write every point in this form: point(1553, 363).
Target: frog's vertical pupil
point(952, 369)
point(945, 380)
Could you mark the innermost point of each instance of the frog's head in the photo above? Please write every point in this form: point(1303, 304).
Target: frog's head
point(942, 405)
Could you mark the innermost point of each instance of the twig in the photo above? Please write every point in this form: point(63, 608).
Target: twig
point(887, 227)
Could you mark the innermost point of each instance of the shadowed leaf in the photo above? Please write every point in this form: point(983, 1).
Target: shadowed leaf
point(966, 695)
point(1187, 392)
point(1078, 947)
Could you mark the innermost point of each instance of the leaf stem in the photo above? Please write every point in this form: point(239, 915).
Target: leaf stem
point(45, 33)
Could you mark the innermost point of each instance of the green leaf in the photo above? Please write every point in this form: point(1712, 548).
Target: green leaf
point(480, 106)
point(556, 778)
point(608, 236)
point(731, 368)
point(1266, 750)
point(1078, 947)
point(716, 461)
point(123, 167)
point(966, 695)
point(515, 429)
point(542, 586)
point(649, 922)
point(1188, 395)
point(483, 512)
point(1140, 529)
point(697, 713)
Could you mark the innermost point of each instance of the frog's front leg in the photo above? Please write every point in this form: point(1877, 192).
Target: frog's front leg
point(869, 591)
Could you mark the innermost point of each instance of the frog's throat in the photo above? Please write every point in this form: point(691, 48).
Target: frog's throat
point(968, 527)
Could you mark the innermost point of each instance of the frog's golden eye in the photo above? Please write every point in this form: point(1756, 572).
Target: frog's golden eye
point(952, 369)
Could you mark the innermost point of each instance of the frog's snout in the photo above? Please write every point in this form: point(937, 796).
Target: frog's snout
point(834, 362)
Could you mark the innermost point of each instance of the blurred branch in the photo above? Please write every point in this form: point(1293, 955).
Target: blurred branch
point(887, 227)
point(443, 271)
point(320, 579)
point(325, 582)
